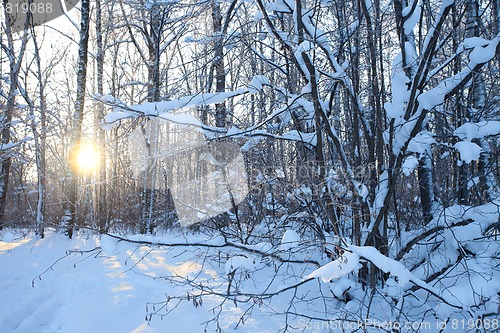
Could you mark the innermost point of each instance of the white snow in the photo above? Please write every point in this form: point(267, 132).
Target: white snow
point(421, 142)
point(368, 4)
point(347, 263)
point(392, 287)
point(386, 264)
point(411, 21)
point(382, 190)
point(251, 143)
point(108, 244)
point(115, 116)
point(305, 46)
point(485, 214)
point(7, 146)
point(400, 93)
point(69, 286)
point(258, 16)
point(163, 109)
point(480, 54)
point(469, 151)
point(472, 42)
point(182, 119)
point(239, 262)
point(295, 135)
point(362, 189)
point(8, 237)
point(473, 272)
point(160, 108)
point(277, 6)
point(100, 284)
point(290, 240)
point(341, 285)
point(409, 165)
point(257, 83)
point(470, 131)
point(403, 131)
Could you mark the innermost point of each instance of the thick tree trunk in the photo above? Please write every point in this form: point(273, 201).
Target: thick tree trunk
point(150, 128)
point(39, 129)
point(477, 99)
point(71, 190)
point(218, 63)
point(425, 185)
point(7, 111)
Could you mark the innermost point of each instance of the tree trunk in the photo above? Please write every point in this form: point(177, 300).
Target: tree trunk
point(8, 110)
point(39, 129)
point(101, 202)
point(477, 99)
point(218, 63)
point(71, 189)
point(425, 185)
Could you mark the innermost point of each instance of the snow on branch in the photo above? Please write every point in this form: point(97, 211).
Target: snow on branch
point(350, 262)
point(347, 263)
point(470, 151)
point(481, 54)
point(411, 14)
point(397, 269)
point(11, 145)
point(161, 109)
point(471, 131)
point(456, 216)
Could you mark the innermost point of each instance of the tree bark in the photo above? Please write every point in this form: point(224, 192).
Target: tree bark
point(425, 185)
point(71, 190)
point(15, 62)
point(102, 201)
point(218, 63)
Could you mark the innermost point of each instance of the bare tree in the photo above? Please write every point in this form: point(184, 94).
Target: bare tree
point(71, 191)
point(15, 60)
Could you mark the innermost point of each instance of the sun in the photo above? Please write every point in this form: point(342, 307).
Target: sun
point(88, 157)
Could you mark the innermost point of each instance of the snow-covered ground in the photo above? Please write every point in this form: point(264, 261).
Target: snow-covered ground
point(96, 283)
point(104, 291)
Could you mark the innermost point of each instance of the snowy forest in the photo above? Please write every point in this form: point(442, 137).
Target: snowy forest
point(250, 165)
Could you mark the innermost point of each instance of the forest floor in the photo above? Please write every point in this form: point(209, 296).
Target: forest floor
point(89, 284)
point(95, 283)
